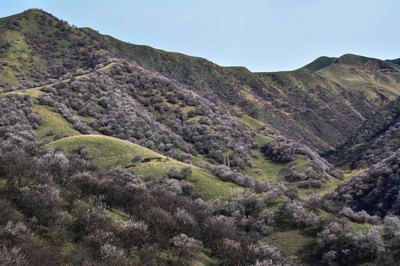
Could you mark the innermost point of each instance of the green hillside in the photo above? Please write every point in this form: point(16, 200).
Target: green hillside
point(174, 160)
point(27, 59)
point(108, 152)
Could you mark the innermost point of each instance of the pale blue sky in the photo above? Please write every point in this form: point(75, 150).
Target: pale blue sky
point(263, 35)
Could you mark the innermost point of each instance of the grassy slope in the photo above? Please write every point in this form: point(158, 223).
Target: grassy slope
point(263, 169)
point(53, 124)
point(230, 83)
point(293, 242)
point(274, 173)
point(19, 54)
point(25, 37)
point(106, 151)
point(358, 73)
point(112, 152)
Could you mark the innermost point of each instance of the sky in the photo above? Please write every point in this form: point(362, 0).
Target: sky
point(262, 35)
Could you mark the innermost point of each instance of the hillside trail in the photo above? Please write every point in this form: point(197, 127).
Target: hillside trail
point(36, 91)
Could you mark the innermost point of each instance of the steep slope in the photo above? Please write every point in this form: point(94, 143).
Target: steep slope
point(378, 78)
point(144, 107)
point(36, 46)
point(235, 87)
point(108, 152)
point(322, 104)
point(375, 139)
point(375, 191)
point(23, 119)
point(320, 63)
point(395, 61)
point(338, 94)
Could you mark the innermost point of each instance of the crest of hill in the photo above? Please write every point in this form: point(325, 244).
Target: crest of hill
point(320, 63)
point(350, 59)
point(394, 61)
point(36, 46)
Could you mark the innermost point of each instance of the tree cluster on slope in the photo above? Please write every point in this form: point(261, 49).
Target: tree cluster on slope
point(17, 120)
point(315, 173)
point(66, 197)
point(151, 110)
point(375, 191)
point(380, 148)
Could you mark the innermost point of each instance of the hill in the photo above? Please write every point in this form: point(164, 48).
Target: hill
point(322, 104)
point(36, 46)
point(120, 154)
point(336, 94)
point(109, 152)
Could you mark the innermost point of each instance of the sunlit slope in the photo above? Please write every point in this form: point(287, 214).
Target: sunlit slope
point(112, 152)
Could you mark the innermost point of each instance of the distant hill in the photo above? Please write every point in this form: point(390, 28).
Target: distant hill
point(319, 63)
point(395, 61)
point(346, 91)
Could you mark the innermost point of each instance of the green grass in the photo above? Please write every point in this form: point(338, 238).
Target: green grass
point(3, 182)
point(106, 151)
point(263, 168)
point(68, 247)
point(118, 215)
point(199, 160)
point(208, 185)
point(16, 55)
point(205, 259)
point(292, 242)
point(252, 122)
point(268, 170)
point(360, 227)
point(53, 124)
point(33, 92)
point(329, 186)
point(274, 173)
point(262, 139)
point(256, 125)
point(110, 152)
point(301, 163)
point(211, 187)
point(87, 119)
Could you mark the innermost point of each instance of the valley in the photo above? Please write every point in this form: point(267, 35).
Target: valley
point(122, 154)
